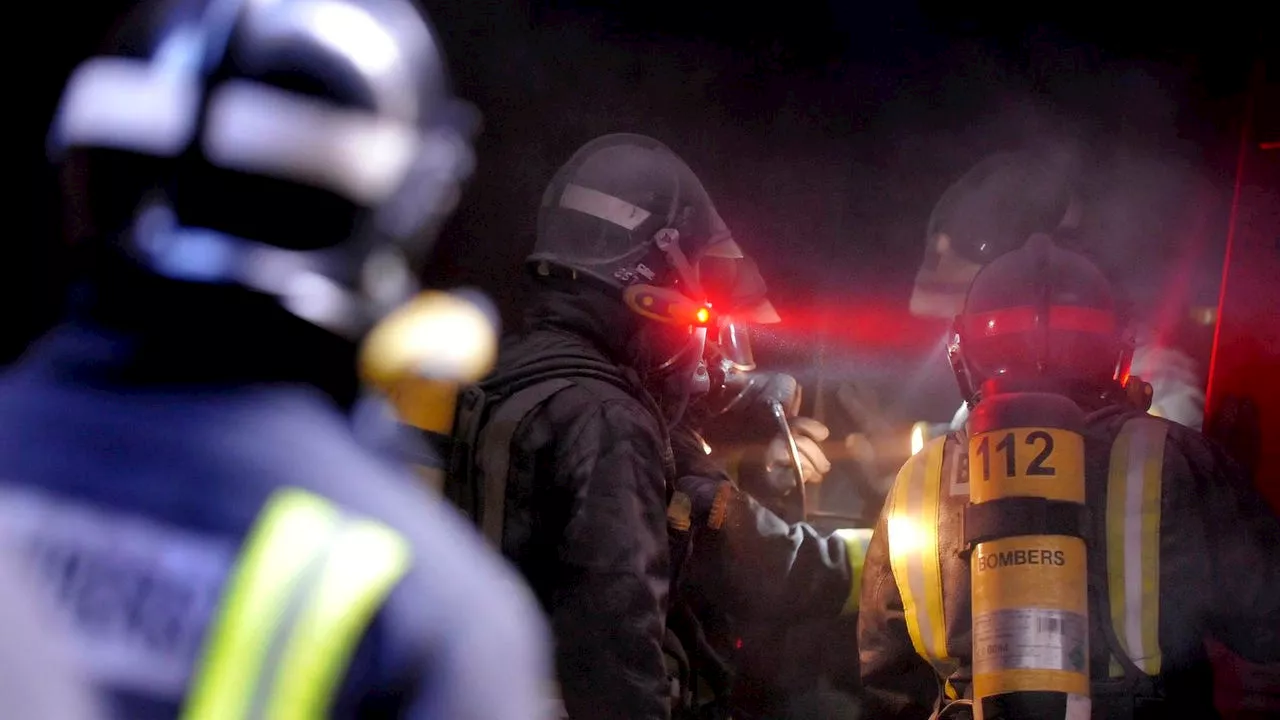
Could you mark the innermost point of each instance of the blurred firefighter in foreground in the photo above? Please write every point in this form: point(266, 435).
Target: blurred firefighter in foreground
point(575, 456)
point(1179, 546)
point(993, 209)
point(261, 180)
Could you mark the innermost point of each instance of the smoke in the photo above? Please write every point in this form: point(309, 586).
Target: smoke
point(828, 175)
point(1151, 216)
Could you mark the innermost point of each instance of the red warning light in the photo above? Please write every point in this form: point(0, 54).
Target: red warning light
point(1270, 145)
point(702, 315)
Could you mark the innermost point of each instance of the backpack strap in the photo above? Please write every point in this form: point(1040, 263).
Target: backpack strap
point(494, 451)
point(488, 414)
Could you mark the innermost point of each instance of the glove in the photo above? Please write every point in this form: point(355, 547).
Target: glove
point(777, 387)
point(777, 456)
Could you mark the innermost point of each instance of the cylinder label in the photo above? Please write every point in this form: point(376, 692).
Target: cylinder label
point(1030, 639)
point(1026, 462)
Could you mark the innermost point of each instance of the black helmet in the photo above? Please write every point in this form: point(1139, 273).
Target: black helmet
point(302, 149)
point(627, 214)
point(991, 210)
point(1040, 317)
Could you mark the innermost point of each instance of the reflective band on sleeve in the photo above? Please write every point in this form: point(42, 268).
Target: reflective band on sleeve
point(856, 540)
point(306, 586)
point(1133, 541)
point(913, 552)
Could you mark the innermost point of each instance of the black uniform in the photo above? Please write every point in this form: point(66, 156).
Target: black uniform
point(568, 444)
point(585, 518)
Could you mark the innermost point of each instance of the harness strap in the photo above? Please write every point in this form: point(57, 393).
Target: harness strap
point(494, 456)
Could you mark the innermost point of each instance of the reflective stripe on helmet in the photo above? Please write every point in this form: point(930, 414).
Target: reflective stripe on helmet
point(856, 541)
point(606, 207)
point(307, 584)
point(913, 552)
point(1133, 541)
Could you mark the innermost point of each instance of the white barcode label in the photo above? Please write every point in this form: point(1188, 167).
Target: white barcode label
point(1030, 639)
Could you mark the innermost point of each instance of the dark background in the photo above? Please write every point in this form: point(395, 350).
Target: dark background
point(824, 130)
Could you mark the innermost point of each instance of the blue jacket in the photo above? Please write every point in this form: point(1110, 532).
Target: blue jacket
point(133, 484)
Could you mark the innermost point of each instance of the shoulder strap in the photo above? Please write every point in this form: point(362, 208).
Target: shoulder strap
point(306, 585)
point(1132, 542)
point(493, 456)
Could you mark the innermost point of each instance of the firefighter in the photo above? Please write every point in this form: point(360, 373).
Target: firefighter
point(994, 208)
point(571, 453)
point(260, 180)
point(1179, 546)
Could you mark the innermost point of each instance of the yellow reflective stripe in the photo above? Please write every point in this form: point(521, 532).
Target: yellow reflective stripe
point(302, 563)
point(365, 563)
point(913, 551)
point(265, 577)
point(1134, 482)
point(856, 541)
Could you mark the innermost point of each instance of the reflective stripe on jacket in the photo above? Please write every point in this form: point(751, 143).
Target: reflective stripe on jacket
point(309, 580)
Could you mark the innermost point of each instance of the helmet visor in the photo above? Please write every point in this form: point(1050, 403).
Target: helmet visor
point(732, 283)
point(733, 343)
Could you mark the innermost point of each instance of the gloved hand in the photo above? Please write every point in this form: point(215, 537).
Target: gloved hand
point(777, 387)
point(814, 463)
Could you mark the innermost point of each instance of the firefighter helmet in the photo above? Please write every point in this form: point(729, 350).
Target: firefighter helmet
point(627, 214)
point(304, 149)
point(1040, 318)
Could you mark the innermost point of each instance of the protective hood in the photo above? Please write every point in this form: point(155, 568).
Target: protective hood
point(569, 325)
